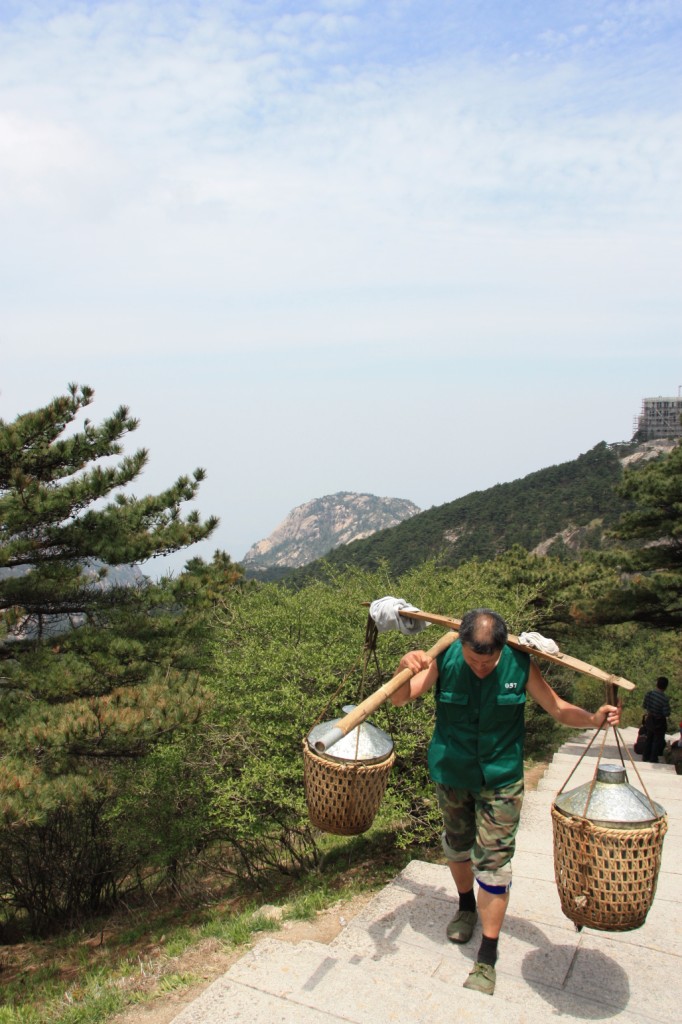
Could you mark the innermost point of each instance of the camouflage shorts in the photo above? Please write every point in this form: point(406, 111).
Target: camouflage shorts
point(482, 827)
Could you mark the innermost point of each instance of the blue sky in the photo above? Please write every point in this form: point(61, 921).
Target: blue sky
point(410, 248)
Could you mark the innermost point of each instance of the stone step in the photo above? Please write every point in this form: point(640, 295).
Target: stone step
point(343, 985)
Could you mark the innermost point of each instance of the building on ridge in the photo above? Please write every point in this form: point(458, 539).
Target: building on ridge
point(660, 417)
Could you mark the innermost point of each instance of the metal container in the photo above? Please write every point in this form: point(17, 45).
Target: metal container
point(366, 744)
point(614, 803)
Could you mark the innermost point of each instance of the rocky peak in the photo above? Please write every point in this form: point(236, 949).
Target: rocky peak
point(648, 450)
point(311, 530)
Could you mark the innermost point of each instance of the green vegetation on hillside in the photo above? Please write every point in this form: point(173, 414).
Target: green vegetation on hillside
point(578, 494)
point(652, 529)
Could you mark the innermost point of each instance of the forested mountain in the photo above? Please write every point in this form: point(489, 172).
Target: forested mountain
point(567, 507)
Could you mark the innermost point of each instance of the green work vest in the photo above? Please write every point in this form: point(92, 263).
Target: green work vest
point(478, 740)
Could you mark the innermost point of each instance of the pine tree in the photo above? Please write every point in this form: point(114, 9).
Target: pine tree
point(651, 564)
point(91, 674)
point(654, 527)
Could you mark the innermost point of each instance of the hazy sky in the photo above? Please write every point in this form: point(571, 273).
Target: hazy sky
point(414, 247)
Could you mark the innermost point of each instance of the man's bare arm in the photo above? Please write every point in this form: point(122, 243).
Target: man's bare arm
point(425, 677)
point(562, 711)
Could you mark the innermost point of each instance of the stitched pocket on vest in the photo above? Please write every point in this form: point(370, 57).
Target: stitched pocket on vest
point(455, 705)
point(508, 702)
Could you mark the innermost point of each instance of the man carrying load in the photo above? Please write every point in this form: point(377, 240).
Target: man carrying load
point(476, 760)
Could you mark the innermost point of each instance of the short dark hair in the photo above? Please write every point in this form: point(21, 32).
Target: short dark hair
point(662, 682)
point(484, 631)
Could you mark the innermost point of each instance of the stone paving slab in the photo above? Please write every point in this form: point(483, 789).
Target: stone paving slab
point(648, 981)
point(416, 917)
point(228, 1001)
point(534, 865)
point(348, 988)
point(538, 901)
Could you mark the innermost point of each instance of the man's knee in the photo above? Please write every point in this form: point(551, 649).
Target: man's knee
point(451, 852)
point(497, 882)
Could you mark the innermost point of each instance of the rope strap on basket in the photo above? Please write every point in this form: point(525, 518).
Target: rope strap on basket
point(621, 746)
point(344, 797)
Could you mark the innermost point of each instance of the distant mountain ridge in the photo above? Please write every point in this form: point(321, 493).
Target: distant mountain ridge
point(312, 530)
point(567, 507)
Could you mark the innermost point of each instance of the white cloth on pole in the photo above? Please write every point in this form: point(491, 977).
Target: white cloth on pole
point(385, 612)
point(539, 642)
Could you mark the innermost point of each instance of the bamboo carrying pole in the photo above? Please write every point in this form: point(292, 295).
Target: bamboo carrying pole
point(559, 658)
point(371, 703)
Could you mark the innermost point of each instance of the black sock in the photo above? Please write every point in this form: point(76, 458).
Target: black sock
point(467, 900)
point(487, 953)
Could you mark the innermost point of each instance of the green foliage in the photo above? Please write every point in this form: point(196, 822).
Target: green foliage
point(288, 659)
point(47, 490)
point(653, 530)
point(93, 674)
point(307, 905)
point(638, 652)
point(655, 521)
point(211, 582)
point(281, 657)
point(646, 567)
point(81, 982)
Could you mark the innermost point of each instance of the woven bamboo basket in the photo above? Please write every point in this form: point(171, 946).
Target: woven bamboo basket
point(343, 798)
point(606, 876)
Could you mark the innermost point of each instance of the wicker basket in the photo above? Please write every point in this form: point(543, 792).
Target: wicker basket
point(343, 798)
point(606, 876)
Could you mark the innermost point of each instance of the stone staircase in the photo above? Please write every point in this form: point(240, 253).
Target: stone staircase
point(393, 965)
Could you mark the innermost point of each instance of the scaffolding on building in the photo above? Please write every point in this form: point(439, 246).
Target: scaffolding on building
point(659, 417)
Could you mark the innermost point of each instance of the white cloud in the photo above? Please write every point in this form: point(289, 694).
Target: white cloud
point(223, 111)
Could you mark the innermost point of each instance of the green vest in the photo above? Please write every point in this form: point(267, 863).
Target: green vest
point(478, 739)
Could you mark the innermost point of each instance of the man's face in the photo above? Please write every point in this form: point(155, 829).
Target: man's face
point(480, 664)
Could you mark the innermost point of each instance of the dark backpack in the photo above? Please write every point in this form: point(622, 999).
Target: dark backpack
point(640, 742)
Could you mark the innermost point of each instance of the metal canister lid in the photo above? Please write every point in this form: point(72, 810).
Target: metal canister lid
point(366, 743)
point(613, 803)
point(611, 773)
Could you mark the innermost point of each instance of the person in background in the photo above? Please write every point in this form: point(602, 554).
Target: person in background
point(476, 760)
point(658, 707)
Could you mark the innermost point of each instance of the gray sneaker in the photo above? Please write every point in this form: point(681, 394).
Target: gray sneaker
point(481, 979)
point(461, 928)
